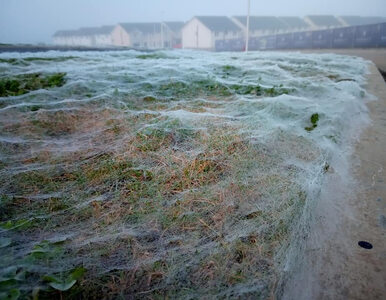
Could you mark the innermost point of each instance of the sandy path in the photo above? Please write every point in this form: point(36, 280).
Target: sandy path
point(333, 265)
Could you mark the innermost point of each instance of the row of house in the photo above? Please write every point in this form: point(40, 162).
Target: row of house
point(135, 35)
point(87, 37)
point(201, 32)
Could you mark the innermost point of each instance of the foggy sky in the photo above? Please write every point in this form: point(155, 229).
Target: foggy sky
point(32, 21)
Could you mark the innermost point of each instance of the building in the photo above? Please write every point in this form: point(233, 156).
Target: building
point(86, 37)
point(358, 21)
point(148, 35)
point(103, 36)
point(202, 32)
point(173, 34)
point(294, 24)
point(140, 35)
point(261, 25)
point(64, 37)
point(319, 22)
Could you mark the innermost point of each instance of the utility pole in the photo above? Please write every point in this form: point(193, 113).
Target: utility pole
point(247, 35)
point(162, 31)
point(162, 35)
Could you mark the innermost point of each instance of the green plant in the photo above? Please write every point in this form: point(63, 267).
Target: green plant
point(24, 83)
point(314, 121)
point(12, 294)
point(64, 282)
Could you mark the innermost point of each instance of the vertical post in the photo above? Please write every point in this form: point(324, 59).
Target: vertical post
point(247, 35)
point(162, 35)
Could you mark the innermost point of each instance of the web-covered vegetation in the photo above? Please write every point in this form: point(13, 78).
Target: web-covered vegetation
point(175, 187)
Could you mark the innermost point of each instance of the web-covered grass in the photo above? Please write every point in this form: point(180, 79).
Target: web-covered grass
point(164, 190)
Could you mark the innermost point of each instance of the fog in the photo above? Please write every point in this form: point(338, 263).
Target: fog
point(34, 21)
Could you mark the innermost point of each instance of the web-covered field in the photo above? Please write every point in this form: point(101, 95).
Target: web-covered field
point(168, 174)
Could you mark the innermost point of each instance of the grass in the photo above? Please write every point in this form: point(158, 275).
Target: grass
point(153, 56)
point(27, 60)
point(314, 119)
point(23, 84)
point(208, 87)
point(151, 205)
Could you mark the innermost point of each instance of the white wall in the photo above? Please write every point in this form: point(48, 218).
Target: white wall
point(85, 41)
point(102, 40)
point(196, 36)
point(120, 37)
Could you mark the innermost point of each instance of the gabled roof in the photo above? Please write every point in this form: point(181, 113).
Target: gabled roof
point(324, 20)
point(262, 22)
point(357, 20)
point(107, 29)
point(64, 33)
point(293, 22)
point(142, 27)
point(175, 26)
point(85, 31)
point(218, 23)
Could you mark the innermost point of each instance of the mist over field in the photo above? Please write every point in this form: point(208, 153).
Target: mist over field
point(34, 21)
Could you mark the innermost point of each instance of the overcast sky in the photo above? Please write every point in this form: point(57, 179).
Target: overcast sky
point(32, 21)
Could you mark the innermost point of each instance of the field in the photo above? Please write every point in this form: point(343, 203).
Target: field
point(176, 175)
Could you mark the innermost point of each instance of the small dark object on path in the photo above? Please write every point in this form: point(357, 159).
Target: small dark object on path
point(383, 73)
point(365, 245)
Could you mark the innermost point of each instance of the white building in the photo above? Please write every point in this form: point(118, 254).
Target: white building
point(64, 37)
point(202, 32)
point(138, 35)
point(103, 36)
point(86, 37)
point(147, 35)
point(172, 34)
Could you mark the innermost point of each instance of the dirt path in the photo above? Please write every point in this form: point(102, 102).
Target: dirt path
point(333, 265)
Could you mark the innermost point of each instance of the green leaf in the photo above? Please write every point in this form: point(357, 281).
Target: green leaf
point(314, 119)
point(77, 273)
point(63, 286)
point(13, 294)
point(4, 242)
point(7, 283)
point(18, 224)
point(20, 276)
point(51, 278)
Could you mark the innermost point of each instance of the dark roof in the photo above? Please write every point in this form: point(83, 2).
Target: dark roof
point(218, 24)
point(142, 27)
point(107, 29)
point(175, 26)
point(357, 20)
point(85, 31)
point(293, 22)
point(324, 20)
point(64, 33)
point(261, 22)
